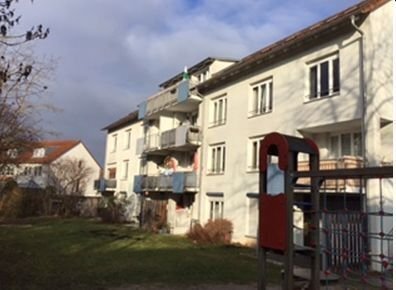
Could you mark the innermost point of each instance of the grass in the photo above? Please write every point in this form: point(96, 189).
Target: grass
point(84, 254)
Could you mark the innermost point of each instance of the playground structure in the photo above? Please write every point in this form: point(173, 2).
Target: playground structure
point(347, 219)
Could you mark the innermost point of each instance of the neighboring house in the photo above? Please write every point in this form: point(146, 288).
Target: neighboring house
point(197, 140)
point(35, 167)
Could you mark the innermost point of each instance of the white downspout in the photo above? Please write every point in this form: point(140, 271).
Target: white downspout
point(362, 87)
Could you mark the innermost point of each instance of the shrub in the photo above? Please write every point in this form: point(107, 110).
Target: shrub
point(217, 232)
point(112, 209)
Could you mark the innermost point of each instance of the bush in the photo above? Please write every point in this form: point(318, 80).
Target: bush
point(112, 209)
point(217, 232)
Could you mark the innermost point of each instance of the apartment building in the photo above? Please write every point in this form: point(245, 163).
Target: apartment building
point(331, 82)
point(194, 145)
point(36, 166)
point(170, 146)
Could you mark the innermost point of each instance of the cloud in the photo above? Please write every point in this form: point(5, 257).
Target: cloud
point(113, 54)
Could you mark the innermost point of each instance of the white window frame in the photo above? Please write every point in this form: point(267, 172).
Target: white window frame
point(125, 169)
point(339, 152)
point(261, 97)
point(331, 89)
point(113, 143)
point(218, 111)
point(128, 135)
point(38, 153)
point(215, 203)
point(252, 204)
point(37, 170)
point(216, 158)
point(253, 158)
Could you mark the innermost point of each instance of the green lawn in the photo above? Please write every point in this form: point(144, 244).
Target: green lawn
point(83, 254)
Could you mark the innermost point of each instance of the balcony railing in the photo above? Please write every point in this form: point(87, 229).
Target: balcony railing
point(178, 182)
point(105, 184)
point(166, 98)
point(330, 164)
point(182, 136)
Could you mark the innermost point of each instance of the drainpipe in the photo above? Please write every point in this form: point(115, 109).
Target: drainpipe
point(362, 87)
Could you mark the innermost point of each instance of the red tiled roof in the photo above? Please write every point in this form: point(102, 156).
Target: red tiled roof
point(293, 43)
point(53, 150)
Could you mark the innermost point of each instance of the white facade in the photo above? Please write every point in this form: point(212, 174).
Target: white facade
point(336, 90)
point(334, 120)
point(37, 174)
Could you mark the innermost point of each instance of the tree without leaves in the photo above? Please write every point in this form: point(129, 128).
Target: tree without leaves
point(22, 79)
point(70, 176)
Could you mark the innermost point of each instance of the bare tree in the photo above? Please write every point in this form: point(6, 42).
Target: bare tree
point(70, 176)
point(22, 78)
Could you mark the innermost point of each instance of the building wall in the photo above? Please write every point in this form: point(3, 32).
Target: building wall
point(116, 158)
point(81, 152)
point(291, 114)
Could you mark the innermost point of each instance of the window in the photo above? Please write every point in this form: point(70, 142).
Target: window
point(112, 173)
point(8, 170)
point(143, 166)
point(38, 153)
point(216, 205)
point(27, 171)
point(324, 77)
point(252, 215)
point(203, 76)
point(261, 98)
point(345, 144)
point(253, 155)
point(218, 111)
point(217, 158)
point(12, 153)
point(125, 168)
point(113, 143)
point(127, 139)
point(37, 171)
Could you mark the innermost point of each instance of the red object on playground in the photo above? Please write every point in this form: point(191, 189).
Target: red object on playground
point(273, 230)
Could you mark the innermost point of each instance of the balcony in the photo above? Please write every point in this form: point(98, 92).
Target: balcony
point(343, 162)
point(177, 98)
point(178, 182)
point(105, 184)
point(183, 138)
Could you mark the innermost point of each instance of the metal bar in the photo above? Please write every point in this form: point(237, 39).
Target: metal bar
point(351, 173)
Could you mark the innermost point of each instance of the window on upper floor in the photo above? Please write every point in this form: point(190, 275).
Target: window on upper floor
point(38, 152)
point(203, 76)
point(218, 111)
point(324, 77)
point(128, 134)
point(37, 171)
point(125, 169)
point(12, 153)
point(345, 144)
point(112, 173)
point(217, 158)
point(253, 153)
point(8, 170)
point(113, 143)
point(261, 98)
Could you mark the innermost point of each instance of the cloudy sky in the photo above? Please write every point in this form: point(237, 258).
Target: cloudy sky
point(111, 55)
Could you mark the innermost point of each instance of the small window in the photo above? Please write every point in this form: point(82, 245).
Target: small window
point(261, 98)
point(217, 158)
point(37, 171)
point(112, 173)
point(253, 153)
point(324, 77)
point(113, 143)
point(218, 111)
point(345, 144)
point(125, 168)
point(252, 215)
point(38, 153)
point(216, 205)
point(127, 139)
